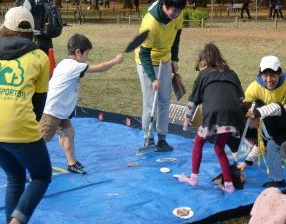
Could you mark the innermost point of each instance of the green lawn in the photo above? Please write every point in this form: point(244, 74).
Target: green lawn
point(118, 89)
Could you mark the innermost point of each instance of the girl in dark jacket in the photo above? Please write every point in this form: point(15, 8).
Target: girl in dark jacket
point(218, 89)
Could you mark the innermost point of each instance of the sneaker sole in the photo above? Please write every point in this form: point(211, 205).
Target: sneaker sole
point(71, 171)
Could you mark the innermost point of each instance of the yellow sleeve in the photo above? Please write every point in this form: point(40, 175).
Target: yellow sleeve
point(251, 92)
point(149, 23)
point(180, 21)
point(41, 85)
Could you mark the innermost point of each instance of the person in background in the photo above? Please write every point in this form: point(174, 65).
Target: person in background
point(271, 9)
point(63, 94)
point(164, 20)
point(278, 10)
point(106, 3)
point(136, 4)
point(24, 70)
point(218, 89)
point(245, 7)
point(45, 43)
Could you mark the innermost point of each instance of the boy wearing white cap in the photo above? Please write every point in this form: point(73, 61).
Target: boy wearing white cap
point(270, 87)
point(24, 74)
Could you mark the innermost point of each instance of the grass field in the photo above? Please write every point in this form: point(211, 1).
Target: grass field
point(118, 89)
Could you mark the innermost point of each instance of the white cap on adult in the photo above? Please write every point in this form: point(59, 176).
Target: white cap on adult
point(15, 16)
point(269, 62)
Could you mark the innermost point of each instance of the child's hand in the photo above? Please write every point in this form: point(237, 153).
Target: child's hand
point(241, 166)
point(187, 124)
point(175, 66)
point(250, 114)
point(118, 58)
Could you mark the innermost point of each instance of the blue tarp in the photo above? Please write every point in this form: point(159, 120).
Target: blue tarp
point(114, 193)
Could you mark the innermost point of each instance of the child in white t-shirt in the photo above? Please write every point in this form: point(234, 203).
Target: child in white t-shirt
point(63, 95)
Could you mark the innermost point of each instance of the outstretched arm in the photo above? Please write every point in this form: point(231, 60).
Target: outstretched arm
point(250, 159)
point(272, 109)
point(105, 65)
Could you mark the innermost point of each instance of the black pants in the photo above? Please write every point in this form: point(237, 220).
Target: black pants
point(277, 13)
point(245, 8)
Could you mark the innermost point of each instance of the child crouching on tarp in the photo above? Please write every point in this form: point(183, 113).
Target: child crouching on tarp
point(218, 89)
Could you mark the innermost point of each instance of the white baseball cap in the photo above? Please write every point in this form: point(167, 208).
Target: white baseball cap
point(14, 16)
point(269, 62)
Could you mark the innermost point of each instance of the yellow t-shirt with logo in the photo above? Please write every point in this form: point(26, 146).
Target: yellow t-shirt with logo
point(160, 38)
point(19, 79)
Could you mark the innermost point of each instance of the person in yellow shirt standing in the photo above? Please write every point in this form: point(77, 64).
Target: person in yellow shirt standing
point(24, 75)
point(164, 20)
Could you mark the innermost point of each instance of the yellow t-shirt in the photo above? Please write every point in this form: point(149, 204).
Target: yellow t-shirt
point(257, 92)
point(19, 79)
point(160, 38)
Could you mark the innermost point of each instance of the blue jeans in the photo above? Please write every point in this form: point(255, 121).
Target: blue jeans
point(274, 161)
point(15, 158)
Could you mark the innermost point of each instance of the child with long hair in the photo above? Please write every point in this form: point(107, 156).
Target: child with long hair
point(218, 89)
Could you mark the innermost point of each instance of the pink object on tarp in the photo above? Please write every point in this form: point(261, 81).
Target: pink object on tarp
point(269, 207)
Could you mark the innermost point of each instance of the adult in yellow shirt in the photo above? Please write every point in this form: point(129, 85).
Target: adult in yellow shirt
point(270, 87)
point(270, 83)
point(24, 74)
point(164, 20)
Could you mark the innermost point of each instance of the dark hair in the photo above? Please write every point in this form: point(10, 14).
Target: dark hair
point(179, 4)
point(278, 72)
point(5, 32)
point(78, 41)
point(211, 54)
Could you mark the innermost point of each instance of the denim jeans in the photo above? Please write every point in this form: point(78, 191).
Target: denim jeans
point(164, 97)
point(15, 159)
point(274, 161)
